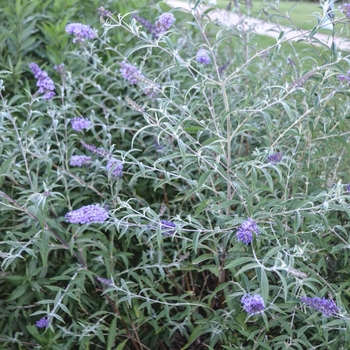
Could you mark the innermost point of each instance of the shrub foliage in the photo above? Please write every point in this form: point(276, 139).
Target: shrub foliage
point(185, 188)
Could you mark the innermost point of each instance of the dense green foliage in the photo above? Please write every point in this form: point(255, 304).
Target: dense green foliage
point(196, 155)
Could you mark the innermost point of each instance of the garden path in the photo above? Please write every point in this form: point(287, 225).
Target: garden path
point(265, 28)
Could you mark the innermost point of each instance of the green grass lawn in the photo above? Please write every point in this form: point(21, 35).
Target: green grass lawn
point(298, 14)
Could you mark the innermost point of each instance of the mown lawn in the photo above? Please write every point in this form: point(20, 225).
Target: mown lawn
point(303, 15)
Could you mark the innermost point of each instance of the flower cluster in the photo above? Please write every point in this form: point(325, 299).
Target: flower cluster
point(345, 8)
point(275, 158)
point(327, 306)
point(79, 161)
point(344, 78)
point(245, 231)
point(164, 22)
point(131, 73)
point(203, 57)
point(253, 304)
point(80, 31)
point(80, 123)
point(44, 83)
point(116, 166)
point(43, 323)
point(167, 227)
point(88, 214)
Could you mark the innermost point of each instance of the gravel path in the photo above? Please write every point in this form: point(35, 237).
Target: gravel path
point(265, 28)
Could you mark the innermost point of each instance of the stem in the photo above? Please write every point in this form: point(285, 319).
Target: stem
point(228, 143)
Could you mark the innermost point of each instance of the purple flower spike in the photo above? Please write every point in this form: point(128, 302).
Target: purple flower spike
point(93, 149)
point(245, 231)
point(117, 167)
point(43, 323)
point(167, 228)
point(253, 304)
point(164, 22)
point(87, 215)
point(44, 83)
point(203, 57)
point(131, 73)
point(80, 31)
point(327, 306)
point(275, 158)
point(79, 161)
point(80, 123)
point(147, 24)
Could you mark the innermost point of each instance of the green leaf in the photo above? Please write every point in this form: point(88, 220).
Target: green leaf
point(203, 178)
point(238, 262)
point(121, 345)
point(111, 335)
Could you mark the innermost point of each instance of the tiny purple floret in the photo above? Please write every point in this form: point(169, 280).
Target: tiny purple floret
point(59, 68)
point(105, 281)
point(275, 158)
point(80, 31)
point(253, 304)
point(203, 57)
point(88, 214)
point(348, 187)
point(345, 8)
point(80, 123)
point(79, 161)
point(43, 323)
point(167, 227)
point(327, 306)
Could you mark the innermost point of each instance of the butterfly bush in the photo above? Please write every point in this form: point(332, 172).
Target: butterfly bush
point(253, 304)
point(80, 32)
point(44, 83)
point(88, 214)
point(326, 306)
point(209, 123)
